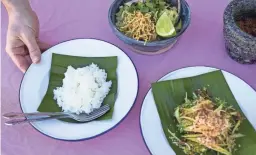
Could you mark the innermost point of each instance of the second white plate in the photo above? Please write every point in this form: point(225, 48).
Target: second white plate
point(150, 122)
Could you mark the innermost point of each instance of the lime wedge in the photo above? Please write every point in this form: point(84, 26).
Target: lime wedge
point(179, 26)
point(164, 26)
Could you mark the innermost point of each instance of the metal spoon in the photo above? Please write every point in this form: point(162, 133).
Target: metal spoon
point(41, 116)
point(179, 12)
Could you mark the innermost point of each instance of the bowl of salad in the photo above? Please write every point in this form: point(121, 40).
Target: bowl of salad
point(149, 26)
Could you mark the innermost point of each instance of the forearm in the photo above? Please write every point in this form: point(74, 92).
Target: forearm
point(15, 5)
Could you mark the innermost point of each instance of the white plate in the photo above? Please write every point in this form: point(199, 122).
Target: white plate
point(36, 79)
point(150, 121)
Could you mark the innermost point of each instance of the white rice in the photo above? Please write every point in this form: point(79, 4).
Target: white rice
point(83, 89)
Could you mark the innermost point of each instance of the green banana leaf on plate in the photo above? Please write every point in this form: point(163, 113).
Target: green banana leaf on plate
point(58, 68)
point(170, 94)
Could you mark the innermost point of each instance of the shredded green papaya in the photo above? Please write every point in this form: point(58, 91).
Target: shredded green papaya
point(206, 124)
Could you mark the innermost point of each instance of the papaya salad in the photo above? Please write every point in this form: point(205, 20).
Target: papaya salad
point(206, 124)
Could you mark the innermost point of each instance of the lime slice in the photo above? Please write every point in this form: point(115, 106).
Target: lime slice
point(164, 26)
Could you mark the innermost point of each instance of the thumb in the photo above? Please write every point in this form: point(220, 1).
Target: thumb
point(33, 48)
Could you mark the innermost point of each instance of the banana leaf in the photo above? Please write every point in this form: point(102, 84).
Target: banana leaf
point(58, 68)
point(171, 93)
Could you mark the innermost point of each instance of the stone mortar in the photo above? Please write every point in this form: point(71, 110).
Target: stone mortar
point(240, 46)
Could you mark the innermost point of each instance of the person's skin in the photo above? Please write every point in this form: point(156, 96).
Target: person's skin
point(22, 34)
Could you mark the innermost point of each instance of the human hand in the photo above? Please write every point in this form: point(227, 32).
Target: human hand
point(22, 38)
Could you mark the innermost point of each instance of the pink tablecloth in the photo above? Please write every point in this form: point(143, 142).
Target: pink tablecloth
point(202, 44)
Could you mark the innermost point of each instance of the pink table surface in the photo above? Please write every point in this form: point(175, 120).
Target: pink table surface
point(60, 20)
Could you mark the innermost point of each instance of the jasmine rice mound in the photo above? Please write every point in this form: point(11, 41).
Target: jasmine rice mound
point(83, 89)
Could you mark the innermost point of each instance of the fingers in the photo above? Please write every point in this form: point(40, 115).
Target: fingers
point(17, 55)
point(17, 51)
point(33, 48)
point(19, 60)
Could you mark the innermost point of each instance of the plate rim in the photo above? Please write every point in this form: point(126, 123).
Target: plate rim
point(141, 132)
point(92, 137)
